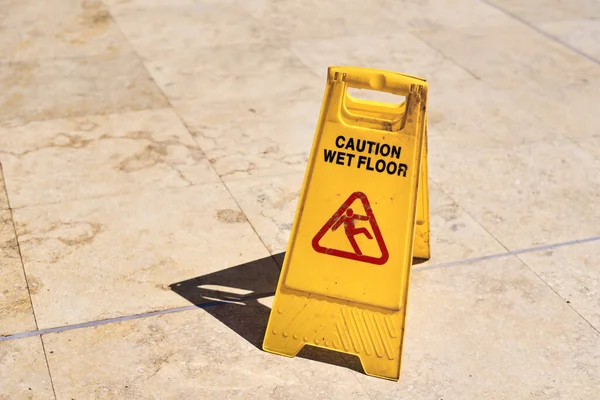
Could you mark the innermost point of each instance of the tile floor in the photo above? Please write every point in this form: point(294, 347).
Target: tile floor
point(151, 157)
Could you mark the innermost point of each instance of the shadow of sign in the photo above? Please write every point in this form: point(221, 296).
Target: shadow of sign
point(232, 296)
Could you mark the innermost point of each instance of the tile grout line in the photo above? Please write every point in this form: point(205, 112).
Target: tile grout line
point(156, 189)
point(470, 216)
point(540, 31)
point(258, 296)
point(276, 38)
point(115, 194)
point(556, 293)
point(485, 81)
point(446, 57)
point(508, 253)
point(582, 148)
point(12, 220)
point(125, 318)
point(48, 366)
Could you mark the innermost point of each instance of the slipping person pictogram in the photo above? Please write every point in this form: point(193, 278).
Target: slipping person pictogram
point(349, 219)
point(346, 216)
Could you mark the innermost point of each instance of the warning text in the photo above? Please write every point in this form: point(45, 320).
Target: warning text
point(377, 164)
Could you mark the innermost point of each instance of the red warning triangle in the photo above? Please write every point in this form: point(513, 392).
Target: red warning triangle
point(345, 218)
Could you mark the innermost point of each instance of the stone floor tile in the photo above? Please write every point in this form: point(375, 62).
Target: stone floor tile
point(120, 6)
point(16, 314)
point(179, 27)
point(590, 144)
point(542, 77)
point(113, 256)
point(398, 52)
point(534, 11)
point(203, 354)
point(23, 370)
point(230, 73)
point(478, 116)
point(67, 159)
point(76, 29)
point(443, 13)
point(62, 88)
point(255, 138)
point(455, 235)
point(491, 330)
point(581, 34)
point(528, 195)
point(519, 60)
point(319, 19)
point(574, 273)
point(3, 198)
point(270, 204)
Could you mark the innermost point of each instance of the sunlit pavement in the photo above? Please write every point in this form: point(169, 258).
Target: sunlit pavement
point(152, 156)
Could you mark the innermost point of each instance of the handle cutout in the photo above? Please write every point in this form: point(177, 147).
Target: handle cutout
point(358, 95)
point(372, 99)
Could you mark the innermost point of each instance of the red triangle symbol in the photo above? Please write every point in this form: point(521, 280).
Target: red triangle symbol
point(345, 216)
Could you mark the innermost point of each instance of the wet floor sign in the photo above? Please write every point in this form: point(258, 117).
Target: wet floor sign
point(361, 217)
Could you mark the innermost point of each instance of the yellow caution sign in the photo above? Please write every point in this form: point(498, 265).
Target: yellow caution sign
point(361, 217)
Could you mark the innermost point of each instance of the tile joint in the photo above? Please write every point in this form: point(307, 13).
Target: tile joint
point(256, 296)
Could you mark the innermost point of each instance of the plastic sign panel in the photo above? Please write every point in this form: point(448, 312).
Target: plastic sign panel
point(361, 217)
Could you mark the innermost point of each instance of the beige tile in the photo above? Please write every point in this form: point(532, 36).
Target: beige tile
point(114, 256)
point(527, 195)
point(338, 19)
point(550, 10)
point(518, 60)
point(318, 19)
point(192, 354)
point(75, 29)
point(455, 235)
point(441, 13)
point(581, 34)
point(212, 75)
point(16, 314)
point(3, 198)
point(63, 88)
point(575, 112)
point(120, 6)
point(542, 77)
point(270, 204)
point(23, 370)
point(124, 6)
point(478, 116)
point(67, 159)
point(491, 330)
point(132, 5)
point(590, 144)
point(399, 52)
point(181, 27)
point(573, 272)
point(255, 138)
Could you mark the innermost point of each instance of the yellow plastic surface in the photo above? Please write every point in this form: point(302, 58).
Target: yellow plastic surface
point(362, 214)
